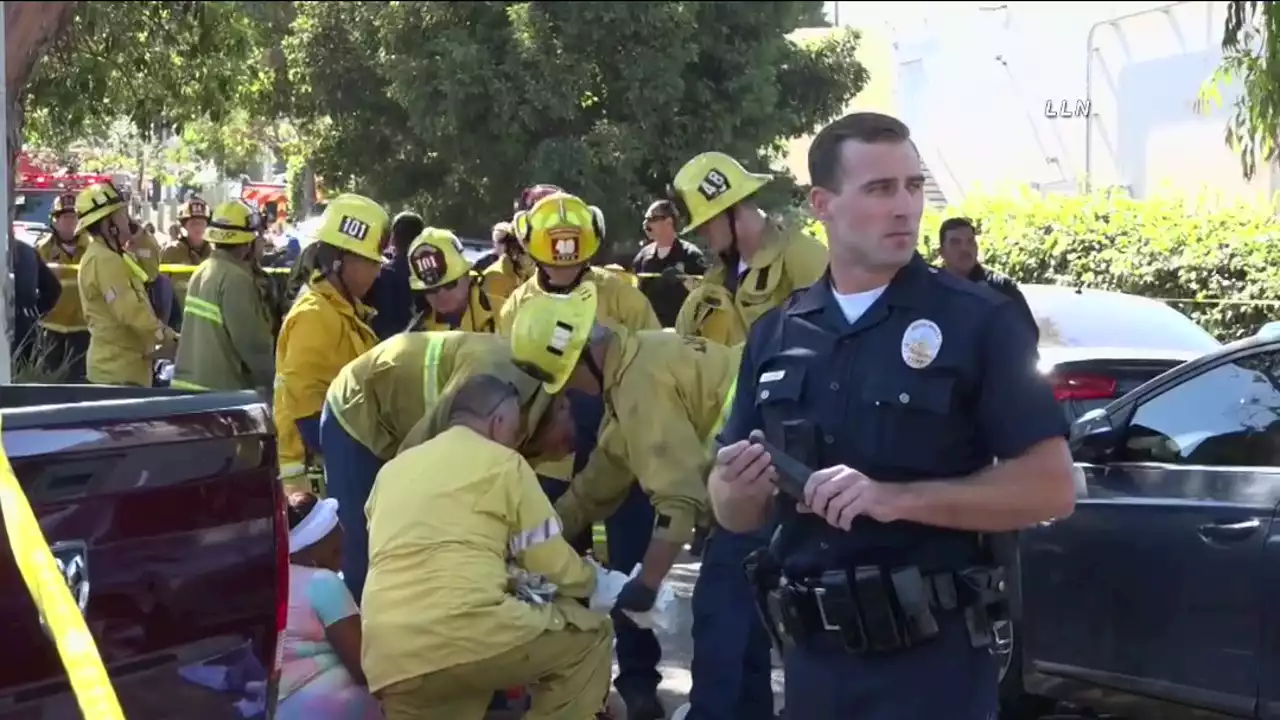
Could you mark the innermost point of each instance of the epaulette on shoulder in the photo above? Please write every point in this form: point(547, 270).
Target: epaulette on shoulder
point(966, 287)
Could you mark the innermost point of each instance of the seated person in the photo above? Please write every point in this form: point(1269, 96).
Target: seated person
point(320, 678)
point(441, 631)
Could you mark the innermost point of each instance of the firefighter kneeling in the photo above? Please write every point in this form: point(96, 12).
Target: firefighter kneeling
point(442, 626)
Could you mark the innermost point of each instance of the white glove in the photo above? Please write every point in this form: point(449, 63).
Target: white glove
point(608, 584)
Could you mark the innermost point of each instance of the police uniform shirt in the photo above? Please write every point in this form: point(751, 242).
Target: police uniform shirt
point(933, 381)
point(667, 294)
point(1005, 285)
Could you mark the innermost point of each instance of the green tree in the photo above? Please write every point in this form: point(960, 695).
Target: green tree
point(208, 72)
point(1251, 64)
point(451, 107)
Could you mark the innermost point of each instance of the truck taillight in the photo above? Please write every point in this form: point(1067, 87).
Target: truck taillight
point(1083, 387)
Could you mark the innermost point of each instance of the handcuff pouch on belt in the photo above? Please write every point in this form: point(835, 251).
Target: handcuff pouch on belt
point(875, 610)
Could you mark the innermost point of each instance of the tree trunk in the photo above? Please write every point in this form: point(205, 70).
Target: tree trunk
point(30, 28)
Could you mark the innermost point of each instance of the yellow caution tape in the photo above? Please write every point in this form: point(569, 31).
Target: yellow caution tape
point(52, 597)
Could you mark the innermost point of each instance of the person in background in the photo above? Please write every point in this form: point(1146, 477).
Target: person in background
point(454, 298)
point(391, 298)
point(125, 336)
point(446, 520)
point(320, 676)
point(36, 291)
point(188, 247)
point(958, 246)
point(511, 265)
point(326, 328)
point(64, 333)
point(666, 254)
point(151, 228)
point(145, 253)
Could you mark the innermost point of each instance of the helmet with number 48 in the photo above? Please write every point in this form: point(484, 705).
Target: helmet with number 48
point(711, 183)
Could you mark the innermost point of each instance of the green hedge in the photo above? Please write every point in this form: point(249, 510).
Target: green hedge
point(1192, 251)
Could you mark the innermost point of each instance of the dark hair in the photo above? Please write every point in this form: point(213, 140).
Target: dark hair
point(954, 223)
point(300, 505)
point(864, 127)
point(526, 199)
point(405, 228)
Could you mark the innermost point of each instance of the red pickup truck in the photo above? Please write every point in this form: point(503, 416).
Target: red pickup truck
point(166, 517)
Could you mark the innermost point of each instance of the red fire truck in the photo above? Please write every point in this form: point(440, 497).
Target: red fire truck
point(35, 190)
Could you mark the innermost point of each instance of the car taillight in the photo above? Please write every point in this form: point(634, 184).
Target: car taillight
point(282, 591)
point(1083, 387)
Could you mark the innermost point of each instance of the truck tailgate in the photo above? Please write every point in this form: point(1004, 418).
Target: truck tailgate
point(163, 515)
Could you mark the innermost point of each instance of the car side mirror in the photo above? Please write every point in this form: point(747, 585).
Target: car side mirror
point(1095, 443)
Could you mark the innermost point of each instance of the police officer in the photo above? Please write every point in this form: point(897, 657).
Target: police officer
point(900, 384)
point(958, 246)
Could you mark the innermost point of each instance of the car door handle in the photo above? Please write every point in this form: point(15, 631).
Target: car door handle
point(1228, 532)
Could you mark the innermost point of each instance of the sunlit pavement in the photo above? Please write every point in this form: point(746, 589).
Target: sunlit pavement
point(677, 648)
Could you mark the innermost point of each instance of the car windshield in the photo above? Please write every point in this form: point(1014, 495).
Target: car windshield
point(1101, 319)
point(33, 206)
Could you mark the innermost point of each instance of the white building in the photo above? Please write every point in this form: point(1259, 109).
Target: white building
point(973, 81)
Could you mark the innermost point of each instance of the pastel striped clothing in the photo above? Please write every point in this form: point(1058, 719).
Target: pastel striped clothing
point(314, 684)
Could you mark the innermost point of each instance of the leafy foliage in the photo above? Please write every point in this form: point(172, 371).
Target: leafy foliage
point(452, 107)
point(1167, 248)
point(213, 72)
point(1251, 60)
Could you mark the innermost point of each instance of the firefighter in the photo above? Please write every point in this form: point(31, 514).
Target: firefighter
point(326, 328)
point(448, 520)
point(227, 341)
point(666, 396)
point(454, 297)
point(507, 267)
point(189, 248)
point(761, 262)
point(63, 330)
point(375, 402)
point(125, 334)
point(562, 233)
point(145, 251)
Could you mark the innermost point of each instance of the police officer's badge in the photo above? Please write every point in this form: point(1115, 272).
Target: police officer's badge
point(921, 343)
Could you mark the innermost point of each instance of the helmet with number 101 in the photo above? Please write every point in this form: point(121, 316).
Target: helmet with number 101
point(436, 259)
point(711, 183)
point(356, 224)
